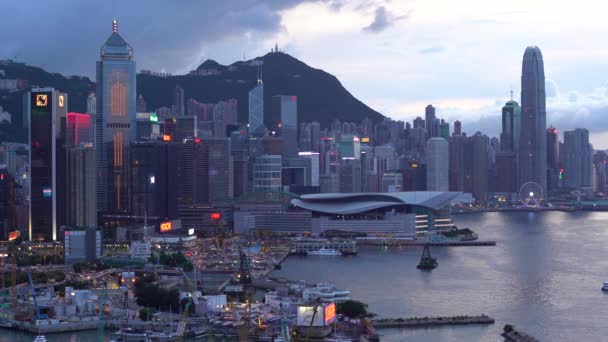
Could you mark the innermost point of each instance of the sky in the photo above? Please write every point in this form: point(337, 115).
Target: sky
point(397, 56)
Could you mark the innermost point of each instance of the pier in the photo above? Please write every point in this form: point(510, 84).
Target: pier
point(303, 246)
point(413, 242)
point(416, 322)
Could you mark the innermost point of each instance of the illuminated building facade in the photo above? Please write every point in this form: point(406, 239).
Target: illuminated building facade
point(46, 109)
point(116, 108)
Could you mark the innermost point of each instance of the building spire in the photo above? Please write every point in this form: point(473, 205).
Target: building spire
point(511, 93)
point(114, 26)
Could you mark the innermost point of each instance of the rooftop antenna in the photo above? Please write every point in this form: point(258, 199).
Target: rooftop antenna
point(511, 93)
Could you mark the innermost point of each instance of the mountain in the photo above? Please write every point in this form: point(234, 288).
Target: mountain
point(321, 96)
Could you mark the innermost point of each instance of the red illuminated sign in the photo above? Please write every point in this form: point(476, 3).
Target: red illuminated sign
point(330, 312)
point(166, 226)
point(197, 140)
point(294, 98)
point(13, 235)
point(216, 216)
point(166, 137)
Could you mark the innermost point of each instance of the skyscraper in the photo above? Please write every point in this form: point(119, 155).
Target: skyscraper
point(457, 127)
point(532, 151)
point(285, 121)
point(437, 164)
point(116, 104)
point(511, 126)
point(81, 186)
point(256, 109)
point(429, 120)
point(178, 100)
point(154, 179)
point(552, 159)
point(141, 105)
point(267, 173)
point(46, 109)
point(444, 129)
point(578, 158)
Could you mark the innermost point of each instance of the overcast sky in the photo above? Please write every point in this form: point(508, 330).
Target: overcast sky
point(395, 55)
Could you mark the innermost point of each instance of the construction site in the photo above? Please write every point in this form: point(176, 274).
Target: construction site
point(227, 295)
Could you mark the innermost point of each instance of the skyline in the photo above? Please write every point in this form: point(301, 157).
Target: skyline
point(415, 62)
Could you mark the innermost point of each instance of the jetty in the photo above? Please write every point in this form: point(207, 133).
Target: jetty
point(417, 322)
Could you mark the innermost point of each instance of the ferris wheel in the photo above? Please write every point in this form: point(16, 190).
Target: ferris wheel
point(531, 194)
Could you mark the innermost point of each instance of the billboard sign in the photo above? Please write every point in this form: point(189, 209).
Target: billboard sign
point(330, 312)
point(166, 226)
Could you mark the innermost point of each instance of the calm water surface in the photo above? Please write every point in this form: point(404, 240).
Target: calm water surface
point(544, 276)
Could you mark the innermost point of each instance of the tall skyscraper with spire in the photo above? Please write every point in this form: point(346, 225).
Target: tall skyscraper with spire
point(116, 107)
point(532, 150)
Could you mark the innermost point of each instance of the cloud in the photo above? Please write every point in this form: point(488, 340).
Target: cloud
point(165, 35)
point(383, 19)
point(432, 49)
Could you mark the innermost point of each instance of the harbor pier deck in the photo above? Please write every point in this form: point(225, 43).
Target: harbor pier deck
point(430, 321)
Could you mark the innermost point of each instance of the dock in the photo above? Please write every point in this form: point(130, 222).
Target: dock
point(417, 322)
point(303, 246)
point(413, 242)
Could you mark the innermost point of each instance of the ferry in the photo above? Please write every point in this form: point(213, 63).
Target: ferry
point(605, 286)
point(40, 338)
point(325, 252)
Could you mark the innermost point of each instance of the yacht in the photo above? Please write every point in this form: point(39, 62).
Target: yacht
point(325, 252)
point(605, 286)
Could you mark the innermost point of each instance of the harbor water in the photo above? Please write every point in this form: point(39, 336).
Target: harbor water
point(544, 276)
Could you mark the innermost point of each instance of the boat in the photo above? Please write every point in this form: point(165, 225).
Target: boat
point(40, 338)
point(605, 286)
point(426, 261)
point(325, 252)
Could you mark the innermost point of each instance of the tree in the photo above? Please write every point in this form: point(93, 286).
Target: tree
point(146, 314)
point(352, 308)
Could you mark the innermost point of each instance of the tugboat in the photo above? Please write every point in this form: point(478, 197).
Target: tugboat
point(605, 286)
point(426, 261)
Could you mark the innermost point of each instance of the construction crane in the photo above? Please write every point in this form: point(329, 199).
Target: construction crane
point(37, 314)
